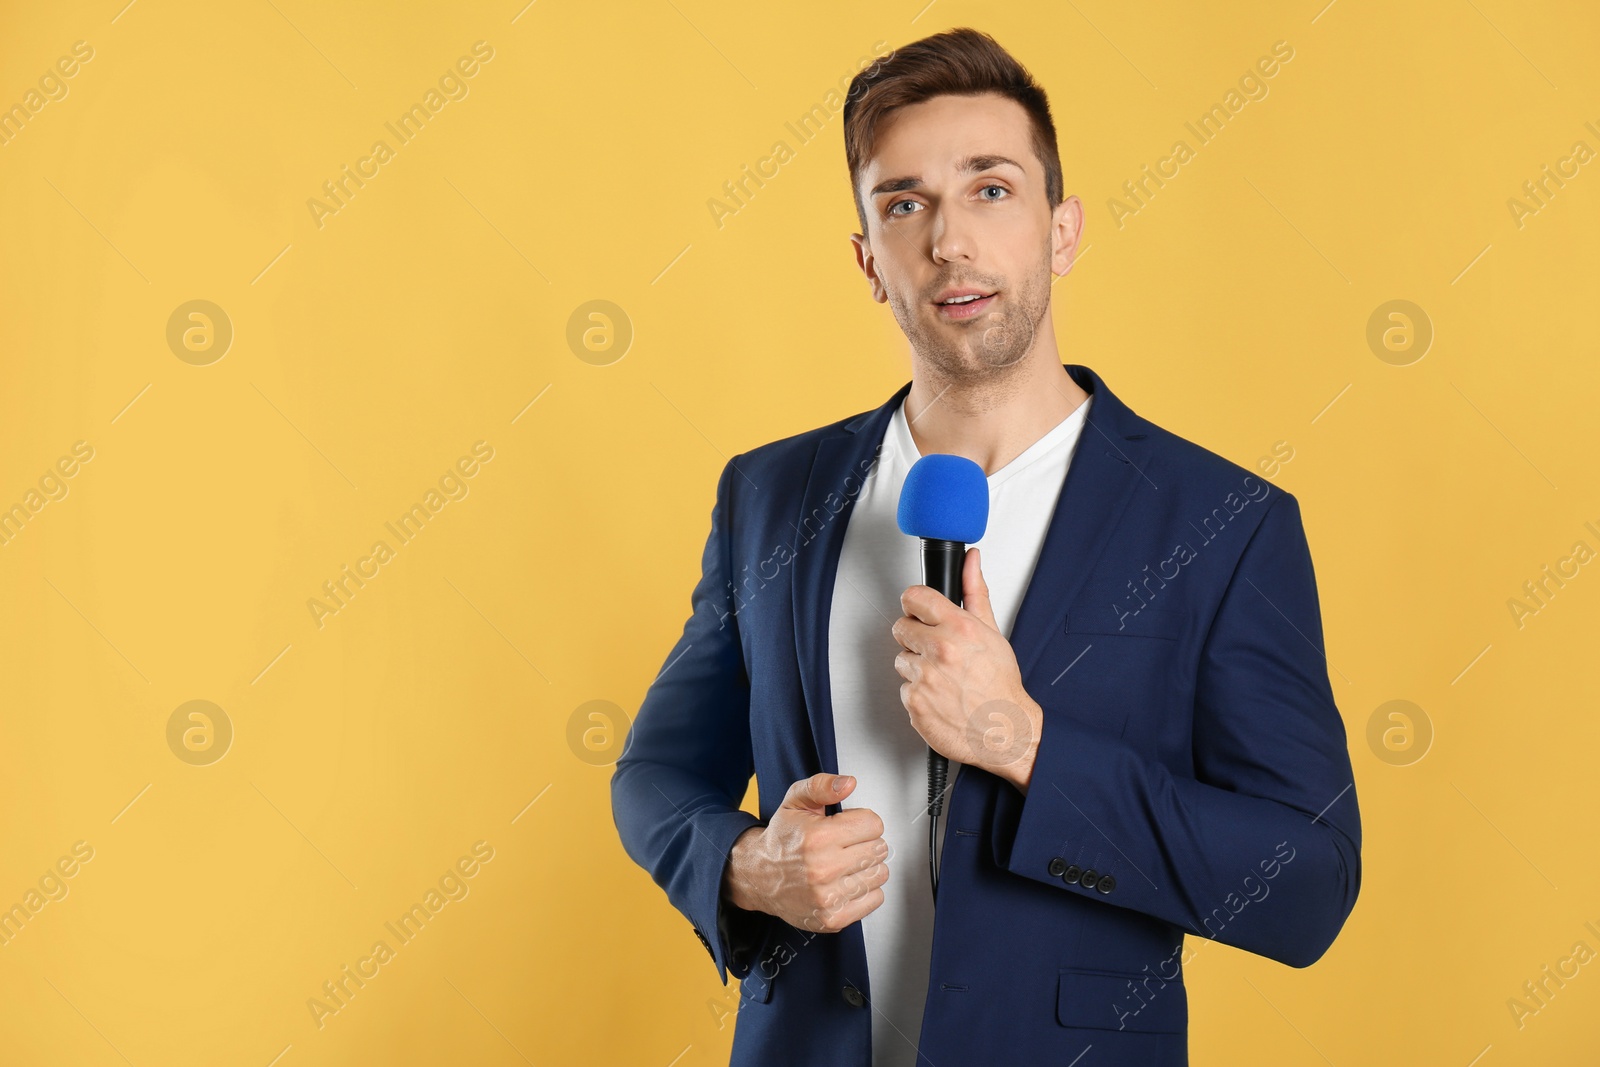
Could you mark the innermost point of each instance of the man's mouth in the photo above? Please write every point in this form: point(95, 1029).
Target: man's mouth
point(965, 304)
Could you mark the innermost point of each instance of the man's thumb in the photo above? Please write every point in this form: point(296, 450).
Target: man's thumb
point(820, 790)
point(974, 590)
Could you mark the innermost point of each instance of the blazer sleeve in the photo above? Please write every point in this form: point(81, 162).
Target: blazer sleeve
point(686, 762)
point(1261, 849)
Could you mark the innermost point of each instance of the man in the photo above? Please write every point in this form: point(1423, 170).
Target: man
point(1133, 695)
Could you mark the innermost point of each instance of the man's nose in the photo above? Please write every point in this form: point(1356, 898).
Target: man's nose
point(952, 236)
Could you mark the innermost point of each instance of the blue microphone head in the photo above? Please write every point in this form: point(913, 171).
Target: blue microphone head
point(945, 498)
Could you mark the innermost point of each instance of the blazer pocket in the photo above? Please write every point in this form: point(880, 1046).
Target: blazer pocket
point(1106, 1000)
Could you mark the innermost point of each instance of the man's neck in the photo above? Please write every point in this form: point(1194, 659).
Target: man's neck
point(994, 421)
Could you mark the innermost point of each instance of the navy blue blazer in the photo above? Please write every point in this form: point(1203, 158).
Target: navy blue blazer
point(1192, 775)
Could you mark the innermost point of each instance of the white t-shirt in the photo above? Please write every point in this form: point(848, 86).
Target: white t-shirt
point(874, 737)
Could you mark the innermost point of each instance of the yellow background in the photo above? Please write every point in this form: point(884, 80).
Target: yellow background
point(369, 353)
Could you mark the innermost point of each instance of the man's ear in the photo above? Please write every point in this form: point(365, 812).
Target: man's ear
point(1066, 229)
point(869, 266)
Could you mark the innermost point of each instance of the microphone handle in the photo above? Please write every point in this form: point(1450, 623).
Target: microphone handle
point(941, 570)
point(941, 566)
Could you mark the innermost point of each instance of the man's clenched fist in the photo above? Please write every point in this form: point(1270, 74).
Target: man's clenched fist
point(814, 871)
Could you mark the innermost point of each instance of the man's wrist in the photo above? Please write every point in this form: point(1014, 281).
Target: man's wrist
point(735, 882)
point(1018, 770)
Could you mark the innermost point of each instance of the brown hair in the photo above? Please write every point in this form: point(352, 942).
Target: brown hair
point(960, 62)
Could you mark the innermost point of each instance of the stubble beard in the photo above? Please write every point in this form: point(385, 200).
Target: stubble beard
point(983, 359)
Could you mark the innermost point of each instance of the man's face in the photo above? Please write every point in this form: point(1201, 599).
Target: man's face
point(955, 205)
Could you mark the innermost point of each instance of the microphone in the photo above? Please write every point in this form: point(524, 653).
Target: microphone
point(945, 502)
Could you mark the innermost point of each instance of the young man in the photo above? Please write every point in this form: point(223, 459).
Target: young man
point(1133, 696)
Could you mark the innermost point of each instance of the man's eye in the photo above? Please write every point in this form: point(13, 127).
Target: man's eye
point(899, 204)
point(1001, 188)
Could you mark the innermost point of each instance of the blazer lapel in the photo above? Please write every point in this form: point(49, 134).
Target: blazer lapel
point(1107, 465)
point(840, 467)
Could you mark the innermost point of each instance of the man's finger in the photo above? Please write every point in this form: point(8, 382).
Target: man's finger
point(865, 854)
point(913, 636)
point(926, 603)
point(858, 908)
point(853, 826)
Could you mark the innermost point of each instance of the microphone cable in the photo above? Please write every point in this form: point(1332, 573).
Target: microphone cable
point(938, 769)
